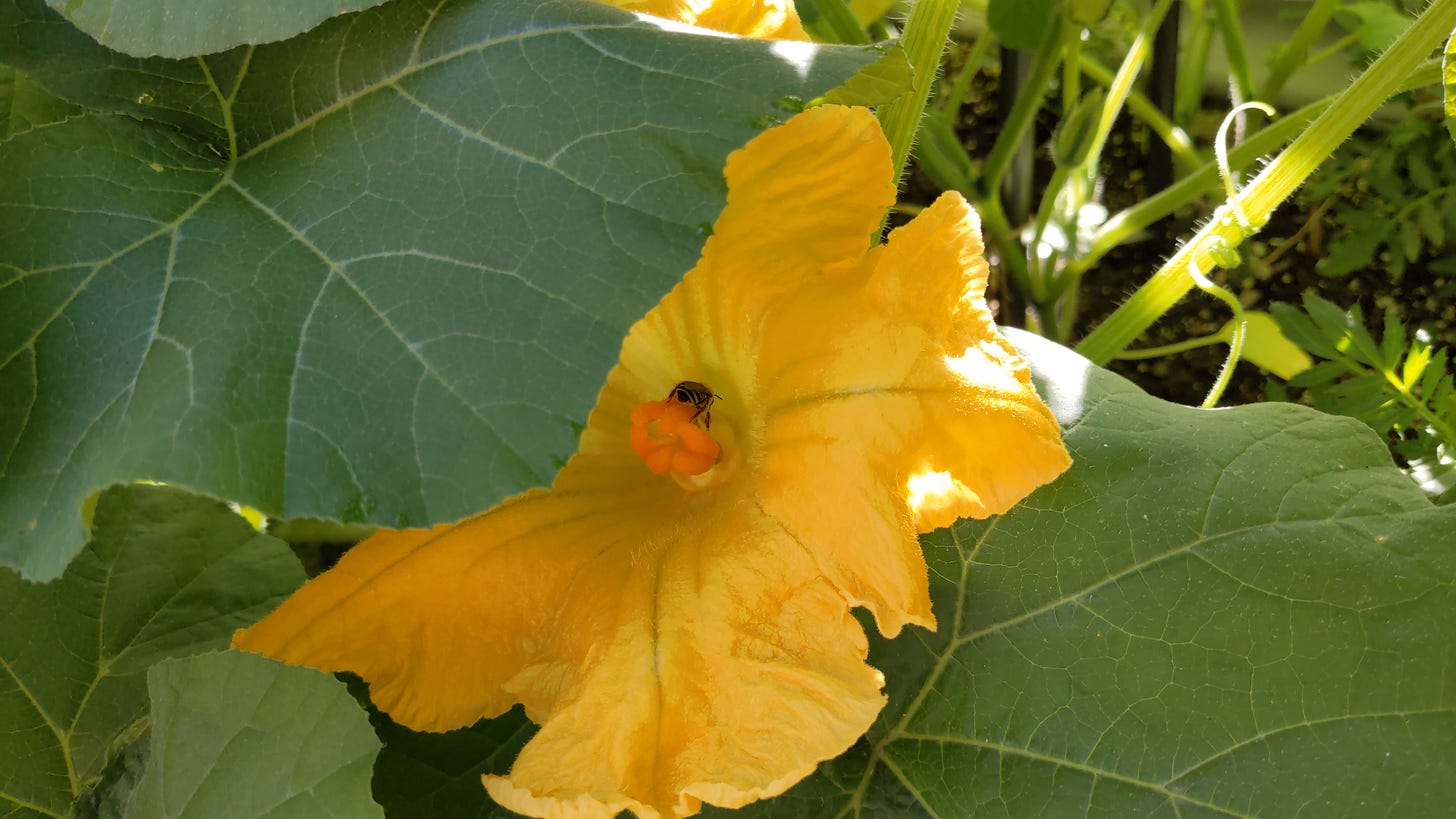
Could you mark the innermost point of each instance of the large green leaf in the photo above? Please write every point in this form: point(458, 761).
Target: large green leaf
point(72, 66)
point(166, 574)
point(1241, 612)
point(184, 28)
point(26, 106)
point(1244, 612)
point(240, 736)
point(387, 289)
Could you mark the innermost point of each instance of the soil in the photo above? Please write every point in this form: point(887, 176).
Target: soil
point(1422, 298)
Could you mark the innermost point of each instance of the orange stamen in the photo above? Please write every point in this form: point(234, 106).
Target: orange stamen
point(665, 437)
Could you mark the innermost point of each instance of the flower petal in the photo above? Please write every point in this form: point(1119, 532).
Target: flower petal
point(763, 19)
point(687, 637)
point(986, 428)
point(804, 196)
point(669, 661)
point(437, 620)
point(888, 372)
point(801, 196)
point(731, 669)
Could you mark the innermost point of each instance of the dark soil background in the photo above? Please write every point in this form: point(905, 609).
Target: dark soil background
point(1284, 256)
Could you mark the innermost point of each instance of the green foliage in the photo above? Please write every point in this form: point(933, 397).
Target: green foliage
point(1398, 384)
point(376, 273)
point(1266, 346)
point(1374, 24)
point(240, 736)
point(166, 574)
point(437, 776)
point(186, 28)
point(1448, 84)
point(214, 277)
point(883, 81)
point(1022, 23)
point(25, 105)
point(1172, 628)
point(1392, 200)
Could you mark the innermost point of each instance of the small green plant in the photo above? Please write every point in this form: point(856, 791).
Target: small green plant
point(1399, 384)
point(1392, 200)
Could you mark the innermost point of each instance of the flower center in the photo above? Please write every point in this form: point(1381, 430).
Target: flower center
point(671, 436)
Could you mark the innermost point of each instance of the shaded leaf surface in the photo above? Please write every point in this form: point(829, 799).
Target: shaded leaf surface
point(240, 736)
point(184, 28)
point(166, 574)
point(1214, 613)
point(437, 776)
point(28, 106)
point(72, 66)
point(377, 275)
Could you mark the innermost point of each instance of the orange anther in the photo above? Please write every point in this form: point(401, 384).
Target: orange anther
point(665, 437)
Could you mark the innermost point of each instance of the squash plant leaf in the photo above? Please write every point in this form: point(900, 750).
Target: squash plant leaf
point(1241, 612)
point(377, 273)
point(1235, 612)
point(166, 574)
point(186, 28)
point(240, 736)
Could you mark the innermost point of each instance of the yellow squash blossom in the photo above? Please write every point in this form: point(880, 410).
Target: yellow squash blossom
point(675, 610)
point(765, 19)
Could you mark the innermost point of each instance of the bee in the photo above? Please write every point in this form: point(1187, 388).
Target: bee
point(697, 395)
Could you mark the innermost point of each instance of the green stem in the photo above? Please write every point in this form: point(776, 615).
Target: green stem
point(1441, 425)
point(1291, 55)
point(1127, 73)
point(837, 23)
point(1236, 342)
point(1334, 48)
point(1143, 108)
point(950, 104)
point(924, 39)
point(1205, 180)
point(1227, 14)
point(1188, 98)
point(1117, 93)
point(1023, 113)
point(1071, 73)
point(1038, 277)
point(1065, 310)
point(999, 234)
point(1277, 181)
point(1170, 349)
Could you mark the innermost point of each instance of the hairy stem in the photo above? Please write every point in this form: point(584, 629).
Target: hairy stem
point(1277, 181)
